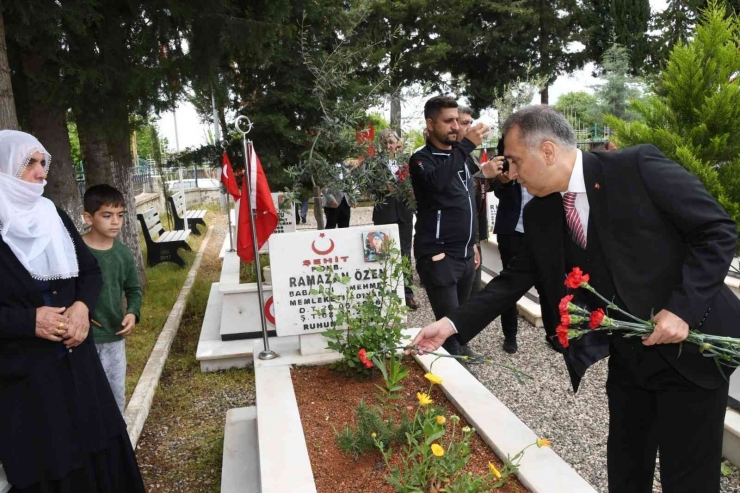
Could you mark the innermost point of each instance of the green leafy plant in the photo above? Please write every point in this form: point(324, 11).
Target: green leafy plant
point(375, 323)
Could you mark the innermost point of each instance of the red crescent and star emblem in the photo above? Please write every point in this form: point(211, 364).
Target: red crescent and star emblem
point(322, 252)
point(270, 311)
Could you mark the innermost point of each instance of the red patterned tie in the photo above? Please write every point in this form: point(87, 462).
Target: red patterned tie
point(574, 221)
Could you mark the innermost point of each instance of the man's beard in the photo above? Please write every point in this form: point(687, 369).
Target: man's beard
point(447, 139)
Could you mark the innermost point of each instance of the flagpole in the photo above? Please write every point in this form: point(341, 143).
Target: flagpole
point(224, 144)
point(266, 353)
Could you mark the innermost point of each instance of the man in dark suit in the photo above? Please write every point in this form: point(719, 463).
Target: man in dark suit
point(653, 239)
point(394, 211)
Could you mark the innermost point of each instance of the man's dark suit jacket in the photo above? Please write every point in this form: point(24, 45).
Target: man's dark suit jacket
point(667, 244)
point(509, 206)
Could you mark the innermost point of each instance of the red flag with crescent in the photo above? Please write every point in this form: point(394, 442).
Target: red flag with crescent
point(266, 217)
point(228, 178)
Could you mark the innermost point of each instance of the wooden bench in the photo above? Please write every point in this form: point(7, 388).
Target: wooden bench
point(164, 248)
point(195, 217)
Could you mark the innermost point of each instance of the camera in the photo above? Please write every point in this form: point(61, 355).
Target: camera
point(500, 152)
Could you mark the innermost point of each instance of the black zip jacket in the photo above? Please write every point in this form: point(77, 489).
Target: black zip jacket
point(445, 198)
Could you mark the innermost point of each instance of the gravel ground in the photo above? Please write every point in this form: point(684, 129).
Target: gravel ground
point(577, 424)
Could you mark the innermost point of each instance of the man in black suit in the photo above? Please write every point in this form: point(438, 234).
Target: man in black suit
point(655, 241)
point(394, 211)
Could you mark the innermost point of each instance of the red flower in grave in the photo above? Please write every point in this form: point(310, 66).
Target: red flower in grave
point(597, 316)
point(402, 172)
point(363, 358)
point(562, 332)
point(576, 278)
point(565, 319)
point(564, 304)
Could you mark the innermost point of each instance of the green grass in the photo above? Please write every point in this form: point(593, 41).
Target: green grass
point(164, 282)
point(182, 443)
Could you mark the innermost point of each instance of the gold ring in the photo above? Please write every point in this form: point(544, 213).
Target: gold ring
point(61, 325)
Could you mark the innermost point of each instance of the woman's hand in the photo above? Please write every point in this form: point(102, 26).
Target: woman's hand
point(51, 323)
point(79, 324)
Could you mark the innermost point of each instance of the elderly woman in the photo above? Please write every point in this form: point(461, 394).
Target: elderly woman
point(60, 428)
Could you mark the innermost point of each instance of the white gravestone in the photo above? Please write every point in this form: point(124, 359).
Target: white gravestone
point(492, 204)
point(294, 258)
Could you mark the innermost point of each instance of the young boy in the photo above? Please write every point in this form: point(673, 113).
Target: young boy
point(104, 213)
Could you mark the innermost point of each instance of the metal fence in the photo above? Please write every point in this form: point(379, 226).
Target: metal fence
point(142, 182)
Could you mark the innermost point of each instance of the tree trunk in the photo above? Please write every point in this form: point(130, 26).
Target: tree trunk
point(318, 211)
point(94, 147)
point(545, 95)
point(396, 111)
point(8, 117)
point(49, 124)
point(222, 122)
point(122, 178)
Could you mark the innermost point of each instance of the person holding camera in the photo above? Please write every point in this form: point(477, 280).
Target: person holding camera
point(509, 231)
point(441, 175)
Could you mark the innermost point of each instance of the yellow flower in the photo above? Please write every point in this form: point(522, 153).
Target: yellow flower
point(440, 420)
point(494, 471)
point(466, 429)
point(455, 418)
point(543, 442)
point(433, 378)
point(373, 434)
point(424, 399)
point(438, 450)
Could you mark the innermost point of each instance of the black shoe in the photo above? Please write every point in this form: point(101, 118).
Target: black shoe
point(411, 303)
point(303, 220)
point(466, 351)
point(510, 345)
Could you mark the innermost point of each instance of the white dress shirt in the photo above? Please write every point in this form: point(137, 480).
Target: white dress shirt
point(577, 185)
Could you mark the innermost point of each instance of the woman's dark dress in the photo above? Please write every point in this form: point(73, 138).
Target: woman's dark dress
point(60, 428)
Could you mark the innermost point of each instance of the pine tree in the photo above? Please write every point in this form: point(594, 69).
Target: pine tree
point(616, 92)
point(631, 19)
point(694, 118)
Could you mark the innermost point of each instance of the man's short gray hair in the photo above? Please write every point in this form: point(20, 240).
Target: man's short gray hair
point(538, 123)
point(466, 110)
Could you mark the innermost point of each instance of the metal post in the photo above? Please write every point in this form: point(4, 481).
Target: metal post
point(267, 353)
point(224, 144)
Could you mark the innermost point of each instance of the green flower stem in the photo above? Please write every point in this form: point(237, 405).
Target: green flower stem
point(610, 304)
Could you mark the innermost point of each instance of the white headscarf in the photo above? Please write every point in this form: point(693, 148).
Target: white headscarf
point(29, 223)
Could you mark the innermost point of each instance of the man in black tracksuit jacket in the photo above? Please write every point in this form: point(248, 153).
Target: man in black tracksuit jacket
point(444, 244)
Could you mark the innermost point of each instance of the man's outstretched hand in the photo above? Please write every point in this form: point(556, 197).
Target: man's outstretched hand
point(431, 337)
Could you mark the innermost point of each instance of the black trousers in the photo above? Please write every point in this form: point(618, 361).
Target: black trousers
point(653, 408)
point(448, 283)
point(508, 247)
point(405, 232)
point(338, 217)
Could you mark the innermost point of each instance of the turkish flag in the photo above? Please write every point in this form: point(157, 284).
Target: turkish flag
point(228, 178)
point(266, 218)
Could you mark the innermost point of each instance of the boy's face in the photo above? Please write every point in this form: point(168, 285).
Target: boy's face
point(107, 220)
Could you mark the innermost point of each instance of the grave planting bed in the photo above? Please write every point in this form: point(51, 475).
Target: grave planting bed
point(327, 401)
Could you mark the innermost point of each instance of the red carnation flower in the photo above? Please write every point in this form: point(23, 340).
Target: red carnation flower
point(363, 358)
point(564, 303)
point(597, 316)
point(565, 319)
point(576, 278)
point(562, 332)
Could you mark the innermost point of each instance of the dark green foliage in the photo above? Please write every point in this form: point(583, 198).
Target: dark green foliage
point(694, 118)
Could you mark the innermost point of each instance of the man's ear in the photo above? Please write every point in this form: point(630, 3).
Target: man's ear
point(87, 217)
point(430, 125)
point(549, 152)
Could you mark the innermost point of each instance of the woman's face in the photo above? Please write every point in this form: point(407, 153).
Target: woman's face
point(34, 172)
point(377, 243)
